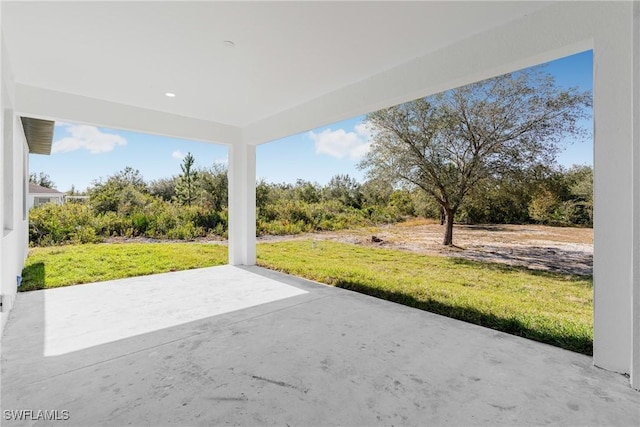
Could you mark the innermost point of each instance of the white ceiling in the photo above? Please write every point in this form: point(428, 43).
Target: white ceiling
point(285, 54)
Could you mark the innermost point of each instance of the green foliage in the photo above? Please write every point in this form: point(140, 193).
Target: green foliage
point(425, 205)
point(402, 202)
point(86, 234)
point(52, 224)
point(123, 205)
point(306, 207)
point(286, 216)
point(121, 193)
point(165, 188)
point(545, 207)
point(214, 184)
point(308, 192)
point(376, 192)
point(581, 195)
point(344, 189)
point(565, 198)
point(501, 201)
point(186, 188)
point(42, 179)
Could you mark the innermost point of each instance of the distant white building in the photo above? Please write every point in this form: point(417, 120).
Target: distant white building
point(39, 195)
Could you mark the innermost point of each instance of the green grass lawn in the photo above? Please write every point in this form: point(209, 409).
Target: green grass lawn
point(548, 307)
point(74, 264)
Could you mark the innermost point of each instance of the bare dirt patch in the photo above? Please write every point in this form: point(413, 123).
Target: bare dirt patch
point(565, 250)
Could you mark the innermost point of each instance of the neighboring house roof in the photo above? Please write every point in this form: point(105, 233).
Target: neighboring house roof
point(38, 189)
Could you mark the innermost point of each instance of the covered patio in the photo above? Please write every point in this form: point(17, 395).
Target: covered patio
point(248, 346)
point(247, 73)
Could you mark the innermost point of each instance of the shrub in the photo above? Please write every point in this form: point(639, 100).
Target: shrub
point(86, 234)
point(52, 224)
point(139, 223)
point(544, 208)
point(110, 224)
point(185, 231)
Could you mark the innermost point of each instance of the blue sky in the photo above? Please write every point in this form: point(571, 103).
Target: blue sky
point(82, 154)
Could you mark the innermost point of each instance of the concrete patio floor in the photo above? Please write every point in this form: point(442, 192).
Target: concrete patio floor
point(247, 346)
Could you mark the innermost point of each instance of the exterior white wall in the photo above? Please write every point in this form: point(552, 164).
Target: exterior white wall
point(3, 96)
point(635, 307)
point(14, 244)
point(14, 239)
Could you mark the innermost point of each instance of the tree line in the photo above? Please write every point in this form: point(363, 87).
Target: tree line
point(194, 204)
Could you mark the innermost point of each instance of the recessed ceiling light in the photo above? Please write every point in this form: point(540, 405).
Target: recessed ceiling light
point(228, 43)
point(170, 94)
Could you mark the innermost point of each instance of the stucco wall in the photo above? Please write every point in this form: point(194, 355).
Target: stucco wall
point(14, 237)
point(635, 310)
point(15, 241)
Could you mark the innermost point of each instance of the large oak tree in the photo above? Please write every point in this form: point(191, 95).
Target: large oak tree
point(446, 143)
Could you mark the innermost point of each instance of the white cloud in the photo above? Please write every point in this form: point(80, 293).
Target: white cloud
point(178, 155)
point(89, 138)
point(222, 161)
point(341, 144)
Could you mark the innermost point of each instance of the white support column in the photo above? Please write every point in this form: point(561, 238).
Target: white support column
point(613, 187)
point(2, 142)
point(242, 204)
point(635, 291)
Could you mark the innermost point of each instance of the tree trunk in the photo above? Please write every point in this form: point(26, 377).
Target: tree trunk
point(448, 234)
point(442, 215)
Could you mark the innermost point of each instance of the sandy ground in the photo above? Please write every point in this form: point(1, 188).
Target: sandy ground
point(559, 249)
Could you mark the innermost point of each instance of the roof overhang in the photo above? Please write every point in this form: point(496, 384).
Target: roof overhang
point(122, 57)
point(39, 134)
